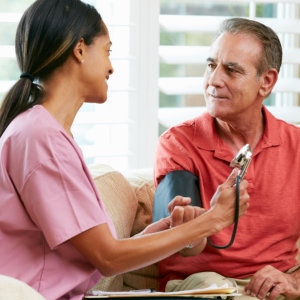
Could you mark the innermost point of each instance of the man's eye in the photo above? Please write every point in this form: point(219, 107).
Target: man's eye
point(211, 65)
point(231, 70)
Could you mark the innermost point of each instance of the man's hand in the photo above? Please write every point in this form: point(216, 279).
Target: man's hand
point(181, 212)
point(270, 280)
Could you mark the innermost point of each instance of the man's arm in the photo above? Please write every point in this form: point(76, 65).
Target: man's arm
point(175, 183)
point(174, 176)
point(270, 280)
point(168, 202)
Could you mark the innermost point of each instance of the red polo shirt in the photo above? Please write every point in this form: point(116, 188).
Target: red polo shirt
point(267, 234)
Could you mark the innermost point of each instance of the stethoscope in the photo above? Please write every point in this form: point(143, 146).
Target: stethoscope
point(242, 161)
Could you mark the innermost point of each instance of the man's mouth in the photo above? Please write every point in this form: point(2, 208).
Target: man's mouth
point(217, 97)
point(212, 92)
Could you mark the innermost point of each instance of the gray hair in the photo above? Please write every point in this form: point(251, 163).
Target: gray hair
point(271, 56)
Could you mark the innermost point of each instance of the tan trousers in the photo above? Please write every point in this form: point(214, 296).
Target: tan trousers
point(205, 279)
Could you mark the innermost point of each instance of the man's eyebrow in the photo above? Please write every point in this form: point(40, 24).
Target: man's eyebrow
point(236, 66)
point(210, 59)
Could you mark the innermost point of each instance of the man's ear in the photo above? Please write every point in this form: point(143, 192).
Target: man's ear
point(269, 78)
point(79, 51)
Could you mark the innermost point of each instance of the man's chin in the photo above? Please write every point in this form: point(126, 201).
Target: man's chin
point(218, 109)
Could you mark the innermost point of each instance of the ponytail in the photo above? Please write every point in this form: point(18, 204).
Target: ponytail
point(46, 36)
point(22, 96)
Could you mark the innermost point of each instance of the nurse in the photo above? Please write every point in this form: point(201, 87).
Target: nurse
point(54, 230)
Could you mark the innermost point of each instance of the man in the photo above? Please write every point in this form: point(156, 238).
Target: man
point(193, 158)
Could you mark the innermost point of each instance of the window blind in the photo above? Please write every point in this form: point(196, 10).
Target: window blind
point(123, 131)
point(188, 28)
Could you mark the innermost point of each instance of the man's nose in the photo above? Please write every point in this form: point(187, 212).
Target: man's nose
point(216, 77)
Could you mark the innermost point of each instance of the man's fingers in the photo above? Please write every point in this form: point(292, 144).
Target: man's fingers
point(189, 213)
point(275, 292)
point(177, 216)
point(199, 211)
point(265, 288)
point(178, 201)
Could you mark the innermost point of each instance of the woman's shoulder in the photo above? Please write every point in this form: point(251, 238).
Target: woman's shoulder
point(35, 124)
point(35, 131)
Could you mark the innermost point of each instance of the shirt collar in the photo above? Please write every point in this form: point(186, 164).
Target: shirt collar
point(211, 141)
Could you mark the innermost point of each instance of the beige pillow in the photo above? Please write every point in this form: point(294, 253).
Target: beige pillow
point(142, 184)
point(118, 197)
point(121, 205)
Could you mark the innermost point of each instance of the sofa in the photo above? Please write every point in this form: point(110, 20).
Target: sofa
point(128, 198)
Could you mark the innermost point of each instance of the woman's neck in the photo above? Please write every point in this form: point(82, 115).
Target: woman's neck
point(62, 101)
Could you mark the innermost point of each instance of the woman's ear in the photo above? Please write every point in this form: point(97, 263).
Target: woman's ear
point(269, 78)
point(79, 51)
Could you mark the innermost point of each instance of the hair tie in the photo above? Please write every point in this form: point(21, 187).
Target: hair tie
point(27, 75)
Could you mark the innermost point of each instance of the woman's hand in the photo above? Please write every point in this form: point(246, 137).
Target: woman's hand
point(158, 226)
point(223, 201)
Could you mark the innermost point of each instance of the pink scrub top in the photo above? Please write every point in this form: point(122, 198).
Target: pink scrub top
point(47, 196)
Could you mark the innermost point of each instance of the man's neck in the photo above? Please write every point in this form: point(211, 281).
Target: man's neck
point(238, 133)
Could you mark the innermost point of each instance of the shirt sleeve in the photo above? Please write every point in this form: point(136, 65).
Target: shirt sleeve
point(59, 196)
point(173, 153)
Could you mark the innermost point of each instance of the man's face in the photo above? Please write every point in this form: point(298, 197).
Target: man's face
point(231, 84)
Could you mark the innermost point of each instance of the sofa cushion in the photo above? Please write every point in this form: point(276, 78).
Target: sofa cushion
point(118, 197)
point(142, 184)
point(121, 205)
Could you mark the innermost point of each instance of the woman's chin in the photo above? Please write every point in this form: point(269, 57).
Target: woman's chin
point(96, 99)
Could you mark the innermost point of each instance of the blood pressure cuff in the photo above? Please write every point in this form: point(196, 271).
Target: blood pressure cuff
point(176, 183)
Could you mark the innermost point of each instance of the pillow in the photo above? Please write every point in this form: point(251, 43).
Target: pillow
point(121, 205)
point(143, 186)
point(118, 198)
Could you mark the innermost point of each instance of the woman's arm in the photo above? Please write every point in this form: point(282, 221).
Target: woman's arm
point(180, 212)
point(111, 256)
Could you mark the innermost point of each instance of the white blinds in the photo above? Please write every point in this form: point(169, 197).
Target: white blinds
point(123, 131)
point(282, 16)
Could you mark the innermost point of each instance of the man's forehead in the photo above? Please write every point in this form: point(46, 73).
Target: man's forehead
point(234, 49)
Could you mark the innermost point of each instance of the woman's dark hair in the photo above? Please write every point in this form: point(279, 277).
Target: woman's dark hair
point(46, 36)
